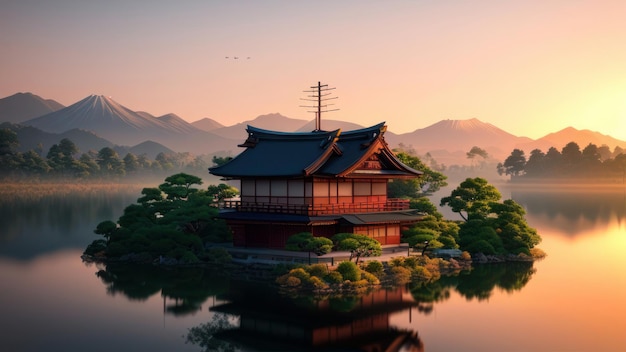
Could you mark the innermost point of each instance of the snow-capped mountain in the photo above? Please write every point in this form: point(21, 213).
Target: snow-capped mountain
point(120, 125)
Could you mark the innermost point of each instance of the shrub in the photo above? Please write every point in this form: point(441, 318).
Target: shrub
point(218, 255)
point(422, 274)
point(357, 285)
point(189, 258)
point(300, 273)
point(349, 271)
point(410, 262)
point(396, 261)
point(317, 283)
point(318, 270)
point(292, 281)
point(370, 278)
point(333, 277)
point(374, 267)
point(401, 275)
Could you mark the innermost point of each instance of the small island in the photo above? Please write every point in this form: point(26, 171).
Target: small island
point(177, 224)
point(355, 202)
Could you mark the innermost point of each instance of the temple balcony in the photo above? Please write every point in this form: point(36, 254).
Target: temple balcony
point(391, 204)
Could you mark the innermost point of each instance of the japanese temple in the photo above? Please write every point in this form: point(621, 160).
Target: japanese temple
point(322, 182)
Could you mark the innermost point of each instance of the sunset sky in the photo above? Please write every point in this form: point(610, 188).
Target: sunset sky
point(528, 67)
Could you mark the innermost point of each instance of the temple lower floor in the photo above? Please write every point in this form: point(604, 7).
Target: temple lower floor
point(273, 230)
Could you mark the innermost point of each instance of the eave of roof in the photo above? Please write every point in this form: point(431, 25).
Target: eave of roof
point(318, 153)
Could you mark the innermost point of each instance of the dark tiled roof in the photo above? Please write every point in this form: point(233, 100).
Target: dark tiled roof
point(322, 153)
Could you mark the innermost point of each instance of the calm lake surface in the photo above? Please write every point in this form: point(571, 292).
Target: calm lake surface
point(571, 301)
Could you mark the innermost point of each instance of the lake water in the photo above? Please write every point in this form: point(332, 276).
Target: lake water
point(571, 301)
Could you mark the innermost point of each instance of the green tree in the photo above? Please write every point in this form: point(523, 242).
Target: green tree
point(131, 163)
point(571, 157)
point(491, 227)
point(221, 160)
point(8, 142)
point(222, 191)
point(358, 245)
point(61, 157)
point(110, 162)
point(535, 166)
point(88, 165)
point(513, 164)
point(509, 222)
point(306, 242)
point(430, 182)
point(472, 197)
point(476, 151)
point(106, 229)
point(178, 186)
point(590, 158)
point(9, 159)
point(553, 162)
point(165, 161)
point(33, 163)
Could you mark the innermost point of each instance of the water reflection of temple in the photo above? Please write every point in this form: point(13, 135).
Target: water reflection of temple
point(270, 322)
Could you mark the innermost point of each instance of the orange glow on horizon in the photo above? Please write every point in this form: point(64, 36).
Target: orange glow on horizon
point(530, 68)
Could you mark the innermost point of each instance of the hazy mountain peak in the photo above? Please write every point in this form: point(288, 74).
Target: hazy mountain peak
point(207, 124)
point(464, 125)
point(20, 107)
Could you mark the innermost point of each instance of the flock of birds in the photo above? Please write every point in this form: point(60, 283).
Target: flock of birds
point(236, 57)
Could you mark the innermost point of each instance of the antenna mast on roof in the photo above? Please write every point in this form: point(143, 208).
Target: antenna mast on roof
point(319, 96)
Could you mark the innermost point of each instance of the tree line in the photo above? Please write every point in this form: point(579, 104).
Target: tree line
point(64, 159)
point(570, 162)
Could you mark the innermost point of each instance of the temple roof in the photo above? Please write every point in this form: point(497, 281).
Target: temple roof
point(318, 153)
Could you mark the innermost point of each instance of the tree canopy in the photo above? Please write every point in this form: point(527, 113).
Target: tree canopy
point(570, 162)
point(430, 182)
point(491, 226)
point(174, 221)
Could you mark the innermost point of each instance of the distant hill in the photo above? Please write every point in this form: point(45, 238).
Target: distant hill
point(561, 138)
point(275, 122)
point(32, 138)
point(207, 124)
point(149, 148)
point(99, 121)
point(456, 136)
point(124, 127)
point(330, 125)
point(24, 106)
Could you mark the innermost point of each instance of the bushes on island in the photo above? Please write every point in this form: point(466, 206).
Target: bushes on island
point(348, 276)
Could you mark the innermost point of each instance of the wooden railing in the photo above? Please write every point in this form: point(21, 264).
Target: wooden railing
point(317, 209)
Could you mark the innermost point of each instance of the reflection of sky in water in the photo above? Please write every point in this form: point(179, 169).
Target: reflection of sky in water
point(35, 225)
point(573, 303)
point(57, 303)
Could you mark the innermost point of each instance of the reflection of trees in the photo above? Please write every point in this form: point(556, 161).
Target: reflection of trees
point(187, 287)
point(478, 283)
point(203, 335)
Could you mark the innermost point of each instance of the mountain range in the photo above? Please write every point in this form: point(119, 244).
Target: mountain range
point(98, 121)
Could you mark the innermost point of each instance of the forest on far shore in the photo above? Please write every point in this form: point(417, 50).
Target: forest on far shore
point(592, 162)
point(64, 160)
